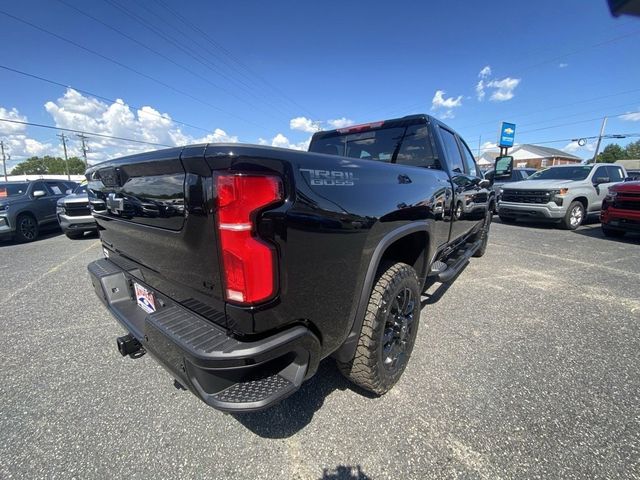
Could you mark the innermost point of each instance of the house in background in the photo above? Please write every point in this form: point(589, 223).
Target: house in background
point(530, 156)
point(534, 156)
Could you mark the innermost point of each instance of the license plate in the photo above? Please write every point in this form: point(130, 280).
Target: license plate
point(145, 298)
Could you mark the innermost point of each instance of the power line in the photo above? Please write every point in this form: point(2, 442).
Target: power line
point(101, 97)
point(156, 52)
point(185, 49)
point(126, 67)
point(217, 45)
point(554, 107)
point(93, 134)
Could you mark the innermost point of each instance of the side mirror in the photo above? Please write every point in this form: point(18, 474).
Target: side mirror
point(39, 193)
point(599, 180)
point(503, 168)
point(68, 191)
point(484, 183)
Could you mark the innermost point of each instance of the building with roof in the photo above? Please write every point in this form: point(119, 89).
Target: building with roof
point(535, 156)
point(629, 164)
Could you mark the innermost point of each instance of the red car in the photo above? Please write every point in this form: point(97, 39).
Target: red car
point(621, 209)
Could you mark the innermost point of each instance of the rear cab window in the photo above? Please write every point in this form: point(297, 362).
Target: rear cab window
point(402, 144)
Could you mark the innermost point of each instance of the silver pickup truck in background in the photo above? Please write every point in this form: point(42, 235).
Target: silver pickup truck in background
point(565, 193)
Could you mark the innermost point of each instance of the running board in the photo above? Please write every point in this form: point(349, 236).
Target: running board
point(458, 264)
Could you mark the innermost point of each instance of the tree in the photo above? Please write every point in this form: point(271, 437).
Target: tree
point(49, 165)
point(611, 153)
point(633, 150)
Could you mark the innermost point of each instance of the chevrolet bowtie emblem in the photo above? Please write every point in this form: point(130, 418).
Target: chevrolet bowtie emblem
point(114, 204)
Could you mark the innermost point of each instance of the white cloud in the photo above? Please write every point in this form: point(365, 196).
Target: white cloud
point(631, 116)
point(573, 147)
point(439, 101)
point(304, 124)
point(447, 114)
point(563, 65)
point(480, 90)
point(487, 146)
point(340, 122)
point(503, 88)
point(8, 128)
point(78, 112)
point(485, 72)
point(283, 142)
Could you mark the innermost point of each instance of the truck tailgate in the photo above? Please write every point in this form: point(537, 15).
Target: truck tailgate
point(153, 214)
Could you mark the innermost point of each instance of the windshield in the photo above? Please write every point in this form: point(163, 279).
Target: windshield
point(563, 173)
point(13, 189)
point(80, 189)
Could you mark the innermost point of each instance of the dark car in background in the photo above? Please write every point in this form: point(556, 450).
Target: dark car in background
point(27, 207)
point(74, 214)
point(517, 174)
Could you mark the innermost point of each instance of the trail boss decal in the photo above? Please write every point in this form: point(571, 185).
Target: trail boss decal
point(330, 178)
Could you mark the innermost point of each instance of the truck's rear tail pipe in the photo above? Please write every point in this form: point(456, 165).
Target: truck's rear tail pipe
point(129, 345)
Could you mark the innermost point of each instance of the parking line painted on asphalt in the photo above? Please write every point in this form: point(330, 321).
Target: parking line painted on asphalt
point(49, 272)
point(571, 260)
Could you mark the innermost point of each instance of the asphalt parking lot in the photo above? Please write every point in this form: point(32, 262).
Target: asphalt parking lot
point(526, 366)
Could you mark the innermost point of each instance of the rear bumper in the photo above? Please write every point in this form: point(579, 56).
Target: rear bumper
point(84, 223)
point(226, 373)
point(549, 211)
point(627, 220)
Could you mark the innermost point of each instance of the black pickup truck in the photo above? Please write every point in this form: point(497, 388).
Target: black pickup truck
point(240, 267)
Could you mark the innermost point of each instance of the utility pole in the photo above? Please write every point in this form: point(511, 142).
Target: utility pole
point(4, 161)
point(85, 149)
point(66, 159)
point(595, 155)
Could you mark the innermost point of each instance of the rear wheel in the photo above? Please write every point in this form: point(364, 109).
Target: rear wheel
point(574, 216)
point(610, 232)
point(26, 228)
point(388, 331)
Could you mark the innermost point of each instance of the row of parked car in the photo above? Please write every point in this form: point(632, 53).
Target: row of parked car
point(570, 194)
point(567, 194)
point(27, 208)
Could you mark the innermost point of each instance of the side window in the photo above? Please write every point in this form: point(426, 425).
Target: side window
point(55, 189)
point(600, 172)
point(469, 161)
point(41, 186)
point(615, 174)
point(416, 148)
point(452, 151)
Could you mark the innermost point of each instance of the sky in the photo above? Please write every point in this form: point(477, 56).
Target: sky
point(168, 72)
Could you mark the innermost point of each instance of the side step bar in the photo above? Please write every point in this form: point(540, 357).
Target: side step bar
point(445, 272)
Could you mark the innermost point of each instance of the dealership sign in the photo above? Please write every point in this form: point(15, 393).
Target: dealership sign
point(507, 134)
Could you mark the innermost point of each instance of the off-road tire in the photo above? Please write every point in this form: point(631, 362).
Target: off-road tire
point(568, 222)
point(367, 369)
point(26, 228)
point(483, 234)
point(74, 235)
point(612, 233)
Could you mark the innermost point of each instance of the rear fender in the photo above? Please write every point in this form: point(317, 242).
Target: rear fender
point(346, 352)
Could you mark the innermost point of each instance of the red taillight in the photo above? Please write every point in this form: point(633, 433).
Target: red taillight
point(249, 264)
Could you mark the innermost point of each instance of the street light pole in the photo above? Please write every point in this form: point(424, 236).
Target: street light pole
point(66, 159)
point(4, 161)
point(595, 155)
